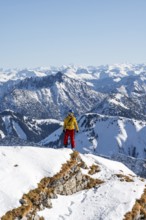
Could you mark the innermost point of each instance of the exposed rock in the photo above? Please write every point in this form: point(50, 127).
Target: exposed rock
point(43, 97)
point(138, 211)
point(68, 181)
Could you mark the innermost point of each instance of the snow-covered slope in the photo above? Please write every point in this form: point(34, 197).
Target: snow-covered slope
point(137, 165)
point(16, 125)
point(22, 168)
point(108, 201)
point(106, 136)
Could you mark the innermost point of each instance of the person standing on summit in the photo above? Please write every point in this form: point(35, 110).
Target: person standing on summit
point(70, 125)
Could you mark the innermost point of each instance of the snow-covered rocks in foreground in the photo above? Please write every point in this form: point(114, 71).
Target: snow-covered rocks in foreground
point(22, 168)
point(110, 201)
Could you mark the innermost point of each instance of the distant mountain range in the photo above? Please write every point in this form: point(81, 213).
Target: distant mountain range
point(46, 93)
point(50, 96)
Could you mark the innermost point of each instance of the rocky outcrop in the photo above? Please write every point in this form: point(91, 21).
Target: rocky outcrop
point(68, 181)
point(138, 211)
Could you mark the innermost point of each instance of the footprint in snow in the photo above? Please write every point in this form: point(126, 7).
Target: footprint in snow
point(16, 165)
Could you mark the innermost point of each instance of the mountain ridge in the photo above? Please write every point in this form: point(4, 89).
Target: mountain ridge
point(116, 179)
point(50, 96)
point(59, 87)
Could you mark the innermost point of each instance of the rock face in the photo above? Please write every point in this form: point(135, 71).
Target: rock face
point(50, 97)
point(109, 90)
point(68, 181)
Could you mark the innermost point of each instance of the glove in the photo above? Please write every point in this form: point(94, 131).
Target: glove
point(63, 131)
point(77, 131)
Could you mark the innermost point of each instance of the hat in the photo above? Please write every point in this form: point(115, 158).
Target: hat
point(71, 111)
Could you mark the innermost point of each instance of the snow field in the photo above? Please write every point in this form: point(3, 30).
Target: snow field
point(22, 168)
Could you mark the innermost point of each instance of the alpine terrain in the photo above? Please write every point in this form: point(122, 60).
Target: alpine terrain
point(39, 178)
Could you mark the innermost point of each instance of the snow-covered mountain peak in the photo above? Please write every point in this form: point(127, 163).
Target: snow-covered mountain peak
point(104, 71)
point(50, 96)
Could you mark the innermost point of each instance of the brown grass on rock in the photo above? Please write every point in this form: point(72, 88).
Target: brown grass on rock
point(94, 169)
point(125, 178)
point(139, 209)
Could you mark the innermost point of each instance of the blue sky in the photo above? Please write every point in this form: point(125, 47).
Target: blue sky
point(84, 32)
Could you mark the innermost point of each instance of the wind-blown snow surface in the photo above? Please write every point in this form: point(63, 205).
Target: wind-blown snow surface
point(22, 168)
